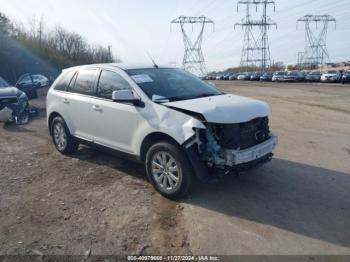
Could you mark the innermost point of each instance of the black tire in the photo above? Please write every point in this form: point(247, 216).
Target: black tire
point(71, 145)
point(185, 177)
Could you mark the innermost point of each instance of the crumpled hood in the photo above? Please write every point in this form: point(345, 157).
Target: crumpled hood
point(224, 109)
point(9, 92)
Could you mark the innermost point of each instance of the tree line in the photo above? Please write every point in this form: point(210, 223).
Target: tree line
point(37, 49)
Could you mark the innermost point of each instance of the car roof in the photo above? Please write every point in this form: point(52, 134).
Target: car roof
point(123, 66)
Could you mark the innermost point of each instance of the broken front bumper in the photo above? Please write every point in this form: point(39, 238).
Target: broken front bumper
point(238, 157)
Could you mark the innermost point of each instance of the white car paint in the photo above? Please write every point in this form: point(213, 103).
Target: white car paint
point(125, 126)
point(330, 76)
point(119, 126)
point(216, 109)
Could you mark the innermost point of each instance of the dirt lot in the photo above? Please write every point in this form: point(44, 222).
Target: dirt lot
point(94, 203)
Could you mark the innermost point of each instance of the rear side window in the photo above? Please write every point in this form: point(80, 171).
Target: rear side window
point(109, 82)
point(64, 81)
point(84, 83)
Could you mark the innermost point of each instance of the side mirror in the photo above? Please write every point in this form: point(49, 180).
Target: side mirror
point(125, 96)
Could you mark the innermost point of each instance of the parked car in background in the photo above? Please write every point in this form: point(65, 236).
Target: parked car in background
point(233, 76)
point(293, 76)
point(41, 81)
point(219, 77)
point(302, 75)
point(26, 84)
point(313, 76)
point(227, 76)
point(243, 76)
point(331, 76)
point(179, 126)
point(267, 77)
point(255, 76)
point(278, 76)
point(346, 77)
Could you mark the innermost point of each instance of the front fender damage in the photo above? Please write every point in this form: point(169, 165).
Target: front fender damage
point(220, 149)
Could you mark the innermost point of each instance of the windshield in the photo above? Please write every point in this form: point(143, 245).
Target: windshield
point(280, 73)
point(331, 72)
point(3, 83)
point(171, 84)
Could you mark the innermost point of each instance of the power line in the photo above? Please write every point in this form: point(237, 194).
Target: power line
point(256, 50)
point(315, 52)
point(193, 60)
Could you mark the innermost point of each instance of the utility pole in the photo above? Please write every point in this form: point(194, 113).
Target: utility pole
point(300, 59)
point(193, 60)
point(256, 50)
point(315, 53)
point(250, 46)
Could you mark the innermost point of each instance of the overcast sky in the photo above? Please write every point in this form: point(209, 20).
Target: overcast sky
point(135, 27)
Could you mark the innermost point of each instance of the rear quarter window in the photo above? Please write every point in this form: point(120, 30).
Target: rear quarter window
point(84, 82)
point(64, 81)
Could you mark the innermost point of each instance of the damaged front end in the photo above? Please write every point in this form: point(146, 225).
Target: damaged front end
point(226, 148)
point(14, 106)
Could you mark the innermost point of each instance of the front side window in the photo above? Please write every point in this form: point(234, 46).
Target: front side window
point(110, 82)
point(171, 84)
point(84, 83)
point(64, 81)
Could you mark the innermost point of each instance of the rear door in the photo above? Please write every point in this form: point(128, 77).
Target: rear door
point(114, 123)
point(77, 104)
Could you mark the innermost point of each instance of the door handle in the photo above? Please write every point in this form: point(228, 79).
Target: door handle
point(65, 100)
point(97, 108)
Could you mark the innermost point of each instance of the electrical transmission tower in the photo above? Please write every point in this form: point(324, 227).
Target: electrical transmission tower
point(315, 52)
point(193, 60)
point(256, 50)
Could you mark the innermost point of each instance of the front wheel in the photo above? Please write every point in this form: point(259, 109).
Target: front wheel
point(169, 170)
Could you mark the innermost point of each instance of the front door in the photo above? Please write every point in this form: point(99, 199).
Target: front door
point(114, 123)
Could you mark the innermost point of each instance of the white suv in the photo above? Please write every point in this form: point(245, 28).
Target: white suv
point(178, 125)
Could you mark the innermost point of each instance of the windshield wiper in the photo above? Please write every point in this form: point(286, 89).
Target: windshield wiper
point(168, 99)
point(181, 98)
point(205, 95)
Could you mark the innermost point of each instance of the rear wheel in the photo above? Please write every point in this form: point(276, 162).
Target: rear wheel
point(169, 170)
point(61, 137)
